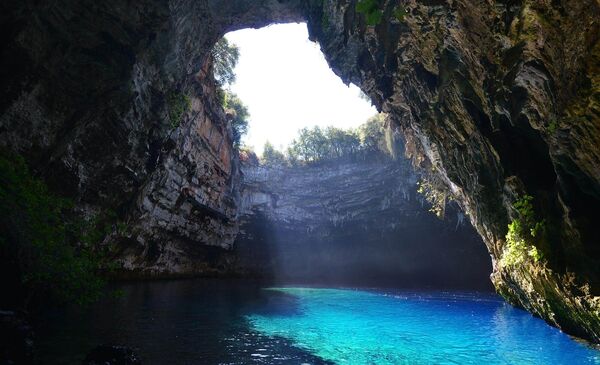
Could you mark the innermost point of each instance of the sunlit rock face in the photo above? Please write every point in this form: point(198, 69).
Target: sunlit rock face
point(358, 223)
point(92, 95)
point(498, 98)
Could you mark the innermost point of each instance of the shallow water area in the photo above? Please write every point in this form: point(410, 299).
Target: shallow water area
point(238, 322)
point(392, 327)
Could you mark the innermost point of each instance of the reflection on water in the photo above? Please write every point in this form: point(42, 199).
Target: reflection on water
point(174, 322)
point(220, 322)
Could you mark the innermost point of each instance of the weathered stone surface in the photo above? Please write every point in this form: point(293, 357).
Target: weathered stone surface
point(353, 222)
point(499, 98)
point(188, 200)
point(86, 99)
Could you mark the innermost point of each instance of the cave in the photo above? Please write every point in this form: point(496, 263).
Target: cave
point(114, 107)
point(352, 217)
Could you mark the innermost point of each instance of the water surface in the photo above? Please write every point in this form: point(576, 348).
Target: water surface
point(386, 327)
point(222, 322)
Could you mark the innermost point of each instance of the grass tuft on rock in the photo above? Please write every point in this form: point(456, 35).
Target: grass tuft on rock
point(522, 233)
point(178, 104)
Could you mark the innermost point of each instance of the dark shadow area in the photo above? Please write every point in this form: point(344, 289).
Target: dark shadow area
point(172, 322)
point(428, 256)
point(355, 223)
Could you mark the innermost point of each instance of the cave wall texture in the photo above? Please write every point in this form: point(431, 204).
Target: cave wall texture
point(500, 99)
point(354, 222)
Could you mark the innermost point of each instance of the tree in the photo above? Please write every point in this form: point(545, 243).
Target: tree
point(335, 136)
point(239, 121)
point(225, 56)
point(316, 144)
point(311, 145)
point(372, 134)
point(292, 155)
point(342, 143)
point(272, 156)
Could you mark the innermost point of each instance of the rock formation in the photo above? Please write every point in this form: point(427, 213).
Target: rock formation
point(499, 98)
point(353, 222)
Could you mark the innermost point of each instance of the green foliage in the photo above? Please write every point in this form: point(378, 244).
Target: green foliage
point(372, 134)
point(239, 122)
point(178, 104)
point(52, 251)
point(526, 214)
point(311, 145)
point(516, 247)
point(553, 126)
point(317, 144)
point(271, 156)
point(435, 193)
point(371, 10)
point(322, 144)
point(522, 233)
point(341, 143)
point(225, 57)
point(222, 97)
point(399, 13)
point(292, 157)
point(535, 254)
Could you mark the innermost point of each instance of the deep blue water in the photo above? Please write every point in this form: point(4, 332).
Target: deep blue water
point(383, 327)
point(219, 322)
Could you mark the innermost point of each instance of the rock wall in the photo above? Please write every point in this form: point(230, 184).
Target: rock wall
point(499, 98)
point(114, 105)
point(186, 208)
point(356, 222)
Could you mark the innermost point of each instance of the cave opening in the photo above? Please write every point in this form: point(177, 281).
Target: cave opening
point(328, 197)
point(285, 82)
point(111, 104)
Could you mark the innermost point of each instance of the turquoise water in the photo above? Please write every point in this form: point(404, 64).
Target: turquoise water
point(189, 322)
point(378, 327)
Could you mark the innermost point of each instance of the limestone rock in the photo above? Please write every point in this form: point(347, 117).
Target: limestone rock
point(499, 98)
point(357, 222)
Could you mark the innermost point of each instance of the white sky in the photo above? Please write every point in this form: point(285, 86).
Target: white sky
point(286, 83)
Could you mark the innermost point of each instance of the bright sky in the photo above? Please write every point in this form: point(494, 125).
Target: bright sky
point(286, 83)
